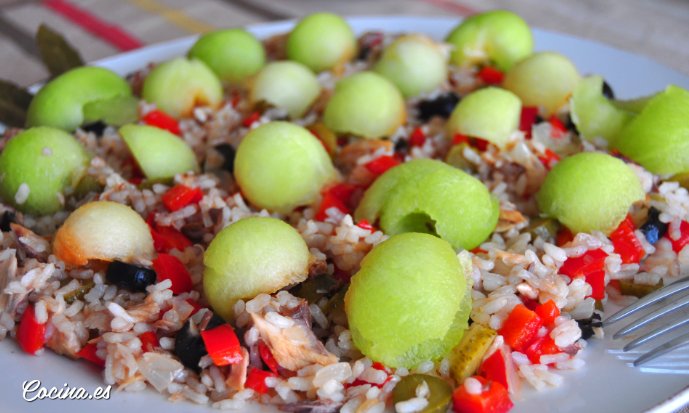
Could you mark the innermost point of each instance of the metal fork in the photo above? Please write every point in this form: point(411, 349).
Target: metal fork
point(674, 299)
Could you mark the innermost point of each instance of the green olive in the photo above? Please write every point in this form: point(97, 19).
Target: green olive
point(414, 63)
point(232, 54)
point(60, 103)
point(159, 153)
point(280, 166)
point(497, 37)
point(367, 105)
point(544, 79)
point(321, 41)
point(252, 256)
point(440, 392)
point(37, 165)
point(590, 191)
point(178, 85)
point(489, 113)
point(287, 85)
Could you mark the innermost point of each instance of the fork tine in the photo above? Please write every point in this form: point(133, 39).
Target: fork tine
point(635, 325)
point(662, 349)
point(654, 334)
point(654, 297)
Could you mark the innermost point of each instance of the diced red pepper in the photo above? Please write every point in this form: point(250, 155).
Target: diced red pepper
point(499, 367)
point(180, 196)
point(88, 353)
point(364, 224)
point(549, 158)
point(149, 341)
point(590, 261)
point(626, 243)
point(162, 120)
point(557, 128)
point(256, 380)
point(480, 144)
point(596, 279)
point(169, 267)
point(330, 201)
point(548, 312)
point(520, 327)
point(378, 366)
point(493, 398)
point(490, 75)
point(417, 137)
point(166, 239)
point(542, 346)
point(267, 357)
point(479, 250)
point(343, 191)
point(249, 120)
point(458, 138)
point(530, 303)
point(528, 119)
point(194, 304)
point(563, 236)
point(381, 164)
point(683, 240)
point(30, 333)
point(222, 345)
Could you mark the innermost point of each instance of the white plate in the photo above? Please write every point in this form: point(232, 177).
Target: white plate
point(605, 384)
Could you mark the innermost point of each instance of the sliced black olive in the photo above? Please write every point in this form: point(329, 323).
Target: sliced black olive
point(442, 106)
point(587, 325)
point(607, 90)
point(189, 346)
point(129, 276)
point(96, 127)
point(228, 152)
point(316, 288)
point(401, 146)
point(8, 217)
point(653, 229)
point(569, 124)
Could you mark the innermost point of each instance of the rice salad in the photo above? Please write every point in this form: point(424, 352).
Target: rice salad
point(234, 226)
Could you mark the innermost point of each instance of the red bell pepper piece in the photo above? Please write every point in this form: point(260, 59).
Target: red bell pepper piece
point(162, 120)
point(542, 346)
point(626, 243)
point(557, 128)
point(549, 158)
point(267, 357)
point(490, 75)
point(180, 196)
point(364, 224)
point(492, 399)
point(330, 201)
point(499, 367)
point(679, 243)
point(149, 341)
point(520, 327)
point(166, 239)
point(381, 164)
point(194, 304)
point(88, 353)
point(590, 261)
point(169, 267)
point(222, 345)
point(30, 333)
point(548, 312)
point(563, 236)
point(256, 380)
point(249, 120)
point(417, 137)
point(378, 366)
point(458, 138)
point(596, 279)
point(527, 119)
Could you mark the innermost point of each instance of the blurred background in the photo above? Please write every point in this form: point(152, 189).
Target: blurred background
point(658, 29)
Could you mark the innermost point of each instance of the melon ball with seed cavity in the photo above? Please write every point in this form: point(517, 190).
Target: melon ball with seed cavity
point(233, 54)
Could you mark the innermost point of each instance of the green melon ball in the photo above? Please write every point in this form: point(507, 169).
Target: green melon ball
point(367, 105)
point(595, 115)
point(280, 166)
point(658, 137)
point(544, 79)
point(497, 37)
point(232, 54)
point(414, 63)
point(432, 197)
point(46, 161)
point(60, 103)
point(590, 191)
point(178, 85)
point(252, 256)
point(160, 154)
point(287, 85)
point(321, 41)
point(409, 302)
point(489, 113)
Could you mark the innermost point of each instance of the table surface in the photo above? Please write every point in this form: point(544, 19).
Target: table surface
point(658, 29)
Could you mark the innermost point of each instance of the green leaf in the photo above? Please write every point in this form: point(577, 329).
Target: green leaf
point(57, 54)
point(14, 102)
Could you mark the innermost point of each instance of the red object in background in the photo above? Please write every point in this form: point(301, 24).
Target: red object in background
point(548, 312)
point(169, 267)
point(557, 128)
point(527, 119)
point(590, 261)
point(162, 120)
point(520, 327)
point(683, 240)
point(490, 75)
point(381, 164)
point(149, 341)
point(256, 380)
point(267, 357)
point(222, 345)
point(88, 353)
point(626, 243)
point(493, 398)
point(30, 333)
point(180, 196)
point(541, 346)
point(249, 120)
point(417, 137)
point(549, 158)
